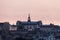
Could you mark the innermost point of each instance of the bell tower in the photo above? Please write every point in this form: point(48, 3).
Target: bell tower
point(29, 20)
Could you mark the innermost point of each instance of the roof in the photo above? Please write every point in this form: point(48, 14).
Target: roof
point(29, 23)
point(50, 26)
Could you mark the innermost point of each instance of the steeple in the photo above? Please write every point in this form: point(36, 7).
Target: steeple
point(29, 20)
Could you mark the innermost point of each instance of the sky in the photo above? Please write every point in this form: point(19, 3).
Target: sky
point(46, 10)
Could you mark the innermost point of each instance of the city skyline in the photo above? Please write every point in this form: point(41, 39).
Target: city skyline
point(48, 11)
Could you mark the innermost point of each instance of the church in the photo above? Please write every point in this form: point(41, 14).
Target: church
point(29, 25)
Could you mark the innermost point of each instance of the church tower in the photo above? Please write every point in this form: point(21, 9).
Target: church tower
point(29, 20)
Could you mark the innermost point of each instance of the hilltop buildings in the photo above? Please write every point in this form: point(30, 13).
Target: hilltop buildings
point(30, 30)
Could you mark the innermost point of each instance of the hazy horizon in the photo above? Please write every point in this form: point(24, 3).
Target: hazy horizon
point(46, 10)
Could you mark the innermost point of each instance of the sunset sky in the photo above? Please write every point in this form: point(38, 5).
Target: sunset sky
point(46, 10)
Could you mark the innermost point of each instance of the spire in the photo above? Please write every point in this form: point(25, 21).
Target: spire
point(29, 20)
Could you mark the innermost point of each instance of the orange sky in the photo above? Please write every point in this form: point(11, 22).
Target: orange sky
point(46, 10)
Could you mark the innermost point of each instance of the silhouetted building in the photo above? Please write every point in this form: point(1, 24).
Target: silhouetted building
point(30, 30)
point(28, 25)
point(4, 26)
